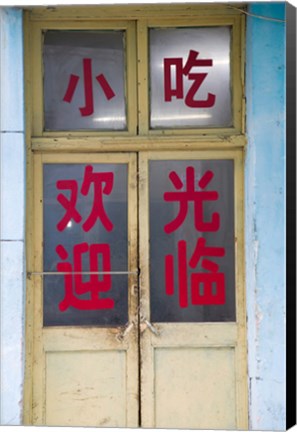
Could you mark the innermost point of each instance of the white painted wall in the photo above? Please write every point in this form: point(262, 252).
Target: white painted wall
point(12, 211)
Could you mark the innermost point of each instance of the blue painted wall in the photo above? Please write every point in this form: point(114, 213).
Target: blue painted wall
point(264, 220)
point(265, 215)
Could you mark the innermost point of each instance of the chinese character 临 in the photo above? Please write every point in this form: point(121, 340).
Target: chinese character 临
point(181, 71)
point(102, 184)
point(207, 288)
point(198, 197)
point(75, 287)
point(88, 109)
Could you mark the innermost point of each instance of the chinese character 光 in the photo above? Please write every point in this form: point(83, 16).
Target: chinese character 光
point(75, 287)
point(103, 184)
point(206, 288)
point(181, 71)
point(197, 197)
point(88, 109)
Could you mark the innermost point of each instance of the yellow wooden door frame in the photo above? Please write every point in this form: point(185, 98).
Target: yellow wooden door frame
point(136, 20)
point(193, 336)
point(49, 341)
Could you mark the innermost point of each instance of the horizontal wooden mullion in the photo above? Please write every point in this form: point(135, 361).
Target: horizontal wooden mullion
point(121, 144)
point(133, 12)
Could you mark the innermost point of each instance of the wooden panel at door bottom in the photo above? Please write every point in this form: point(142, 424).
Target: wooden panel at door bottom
point(195, 388)
point(86, 388)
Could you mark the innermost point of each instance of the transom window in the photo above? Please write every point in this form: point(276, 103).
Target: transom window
point(138, 77)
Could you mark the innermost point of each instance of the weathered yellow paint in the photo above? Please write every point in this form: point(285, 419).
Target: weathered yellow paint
point(137, 143)
point(191, 396)
point(61, 349)
point(105, 368)
point(197, 346)
point(35, 77)
point(132, 12)
point(137, 22)
point(83, 389)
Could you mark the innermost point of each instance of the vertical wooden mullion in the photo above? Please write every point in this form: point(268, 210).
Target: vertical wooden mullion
point(143, 77)
point(146, 347)
point(38, 357)
point(241, 348)
point(237, 83)
point(37, 79)
point(131, 76)
point(132, 353)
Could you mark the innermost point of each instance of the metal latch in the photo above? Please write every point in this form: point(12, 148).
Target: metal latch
point(146, 324)
point(125, 331)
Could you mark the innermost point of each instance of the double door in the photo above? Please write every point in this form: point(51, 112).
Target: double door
point(138, 296)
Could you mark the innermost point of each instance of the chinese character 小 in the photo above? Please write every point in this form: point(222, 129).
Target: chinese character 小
point(88, 109)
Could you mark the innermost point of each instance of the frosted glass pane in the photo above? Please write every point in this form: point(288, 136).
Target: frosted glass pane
point(84, 80)
point(190, 77)
point(85, 229)
point(192, 270)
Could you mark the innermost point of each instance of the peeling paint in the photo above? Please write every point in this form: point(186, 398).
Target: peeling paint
point(264, 219)
point(12, 179)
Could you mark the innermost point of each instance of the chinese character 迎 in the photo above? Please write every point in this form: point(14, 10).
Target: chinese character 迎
point(73, 277)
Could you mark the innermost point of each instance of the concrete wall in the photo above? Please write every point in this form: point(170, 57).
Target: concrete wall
point(12, 177)
point(265, 215)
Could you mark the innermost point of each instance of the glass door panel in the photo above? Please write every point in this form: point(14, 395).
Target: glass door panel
point(192, 275)
point(85, 230)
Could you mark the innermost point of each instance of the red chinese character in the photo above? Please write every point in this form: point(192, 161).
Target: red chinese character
point(197, 197)
point(103, 184)
point(88, 109)
point(98, 212)
point(74, 284)
point(69, 205)
point(180, 71)
point(202, 284)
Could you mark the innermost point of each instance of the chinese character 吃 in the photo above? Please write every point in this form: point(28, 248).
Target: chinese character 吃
point(181, 71)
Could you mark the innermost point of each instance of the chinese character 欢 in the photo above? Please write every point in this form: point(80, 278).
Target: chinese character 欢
point(207, 288)
point(197, 197)
point(88, 109)
point(102, 183)
point(180, 71)
point(73, 277)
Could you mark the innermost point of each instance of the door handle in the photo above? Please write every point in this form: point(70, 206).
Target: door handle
point(149, 325)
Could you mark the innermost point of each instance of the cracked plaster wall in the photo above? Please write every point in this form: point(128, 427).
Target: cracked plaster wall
point(12, 216)
point(265, 216)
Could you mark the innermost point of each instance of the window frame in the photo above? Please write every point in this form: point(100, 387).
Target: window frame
point(36, 74)
point(137, 77)
point(236, 78)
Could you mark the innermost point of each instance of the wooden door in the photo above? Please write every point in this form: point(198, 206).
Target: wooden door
point(187, 209)
point(85, 368)
point(193, 352)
